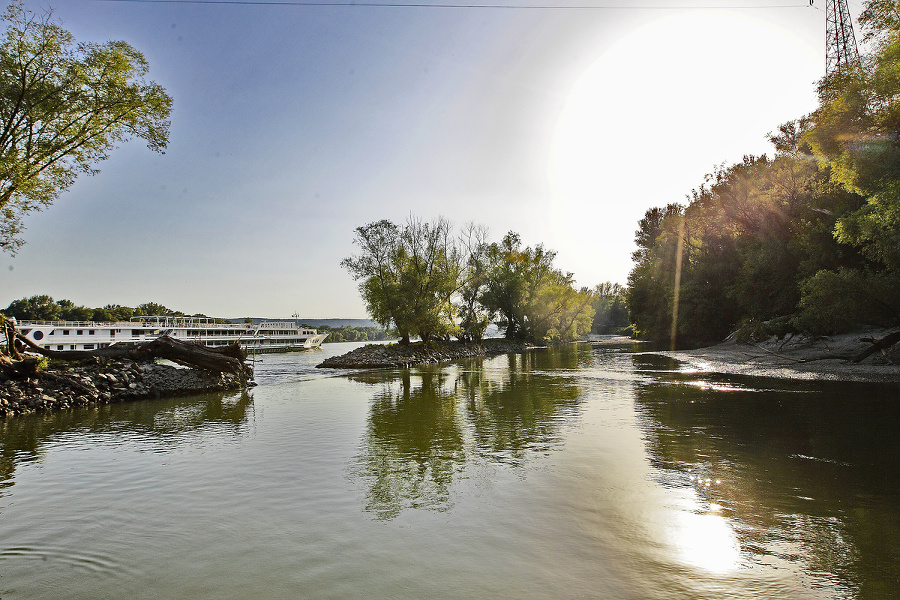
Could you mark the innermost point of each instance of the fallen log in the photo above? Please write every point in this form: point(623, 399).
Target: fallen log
point(882, 344)
point(229, 359)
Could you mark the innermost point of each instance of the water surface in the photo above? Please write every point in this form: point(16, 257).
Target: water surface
point(582, 472)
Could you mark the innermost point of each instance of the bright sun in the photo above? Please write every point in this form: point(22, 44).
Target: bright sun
point(661, 107)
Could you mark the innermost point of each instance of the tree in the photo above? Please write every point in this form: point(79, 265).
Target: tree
point(610, 312)
point(408, 275)
point(474, 317)
point(63, 107)
point(35, 308)
point(153, 309)
point(532, 300)
point(855, 131)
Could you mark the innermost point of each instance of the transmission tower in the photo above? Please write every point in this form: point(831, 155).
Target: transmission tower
point(840, 43)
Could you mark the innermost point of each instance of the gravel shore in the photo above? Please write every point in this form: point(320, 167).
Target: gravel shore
point(99, 381)
point(375, 356)
point(799, 357)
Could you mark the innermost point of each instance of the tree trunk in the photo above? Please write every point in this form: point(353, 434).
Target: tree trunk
point(9, 331)
point(229, 359)
point(882, 344)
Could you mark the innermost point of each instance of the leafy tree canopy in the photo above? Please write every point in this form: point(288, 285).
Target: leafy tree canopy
point(422, 281)
point(63, 107)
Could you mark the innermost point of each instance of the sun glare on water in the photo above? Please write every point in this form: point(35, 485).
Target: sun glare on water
point(705, 541)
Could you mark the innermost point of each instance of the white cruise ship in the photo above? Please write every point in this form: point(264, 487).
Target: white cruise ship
point(263, 337)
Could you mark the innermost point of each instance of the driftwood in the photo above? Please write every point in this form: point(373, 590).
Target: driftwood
point(9, 331)
point(882, 344)
point(228, 359)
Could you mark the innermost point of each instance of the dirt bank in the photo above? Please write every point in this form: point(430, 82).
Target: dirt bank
point(825, 358)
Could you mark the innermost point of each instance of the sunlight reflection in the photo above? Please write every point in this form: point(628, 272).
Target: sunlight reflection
point(719, 387)
point(705, 540)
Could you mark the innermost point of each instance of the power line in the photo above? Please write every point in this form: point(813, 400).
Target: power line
point(457, 5)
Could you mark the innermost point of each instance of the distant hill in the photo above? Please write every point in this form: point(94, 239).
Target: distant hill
point(318, 322)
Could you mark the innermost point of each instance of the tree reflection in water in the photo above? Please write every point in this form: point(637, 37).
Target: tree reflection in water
point(428, 425)
point(805, 474)
point(163, 423)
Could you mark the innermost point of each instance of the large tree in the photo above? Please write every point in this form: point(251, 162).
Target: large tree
point(531, 299)
point(63, 107)
point(407, 275)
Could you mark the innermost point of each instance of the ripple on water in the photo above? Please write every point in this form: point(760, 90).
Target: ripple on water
point(94, 563)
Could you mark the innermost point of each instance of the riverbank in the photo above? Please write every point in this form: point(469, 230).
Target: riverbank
point(826, 358)
point(98, 381)
point(377, 356)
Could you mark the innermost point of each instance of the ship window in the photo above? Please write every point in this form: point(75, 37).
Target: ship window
point(88, 346)
point(59, 347)
point(91, 331)
point(136, 332)
point(79, 332)
point(71, 346)
point(38, 335)
point(65, 332)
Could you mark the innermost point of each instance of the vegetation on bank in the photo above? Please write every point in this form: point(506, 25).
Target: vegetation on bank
point(808, 240)
point(422, 280)
point(354, 334)
point(43, 308)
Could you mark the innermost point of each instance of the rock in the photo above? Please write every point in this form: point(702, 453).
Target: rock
point(82, 384)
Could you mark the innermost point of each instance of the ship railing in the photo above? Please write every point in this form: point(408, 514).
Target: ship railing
point(73, 324)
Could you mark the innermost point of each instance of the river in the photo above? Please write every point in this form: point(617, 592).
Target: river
point(590, 471)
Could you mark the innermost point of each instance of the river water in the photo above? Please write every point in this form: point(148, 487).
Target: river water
point(589, 471)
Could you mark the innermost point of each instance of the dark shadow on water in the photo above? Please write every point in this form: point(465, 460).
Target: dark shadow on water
point(808, 473)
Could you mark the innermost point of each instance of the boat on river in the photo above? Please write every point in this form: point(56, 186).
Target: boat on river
point(262, 337)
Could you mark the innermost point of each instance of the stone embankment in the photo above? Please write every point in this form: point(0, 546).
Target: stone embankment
point(99, 381)
point(374, 356)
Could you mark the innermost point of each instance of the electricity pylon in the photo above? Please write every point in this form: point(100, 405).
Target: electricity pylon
point(840, 43)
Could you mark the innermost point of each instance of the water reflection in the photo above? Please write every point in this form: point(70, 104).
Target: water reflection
point(427, 425)
point(798, 476)
point(159, 424)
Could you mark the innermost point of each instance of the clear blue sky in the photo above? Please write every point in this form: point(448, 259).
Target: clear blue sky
point(292, 125)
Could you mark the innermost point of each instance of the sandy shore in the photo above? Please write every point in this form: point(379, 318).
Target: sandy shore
point(799, 357)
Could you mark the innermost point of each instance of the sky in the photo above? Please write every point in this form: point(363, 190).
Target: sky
point(294, 124)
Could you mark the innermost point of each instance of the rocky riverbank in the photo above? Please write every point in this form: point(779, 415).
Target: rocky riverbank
point(827, 358)
point(99, 381)
point(374, 356)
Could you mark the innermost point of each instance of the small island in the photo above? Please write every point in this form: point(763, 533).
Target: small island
point(374, 356)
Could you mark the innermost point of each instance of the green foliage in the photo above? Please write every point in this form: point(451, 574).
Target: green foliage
point(418, 279)
point(748, 238)
point(610, 310)
point(856, 130)
point(35, 308)
point(64, 106)
point(474, 317)
point(407, 276)
point(150, 309)
point(44, 308)
point(835, 302)
point(354, 334)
